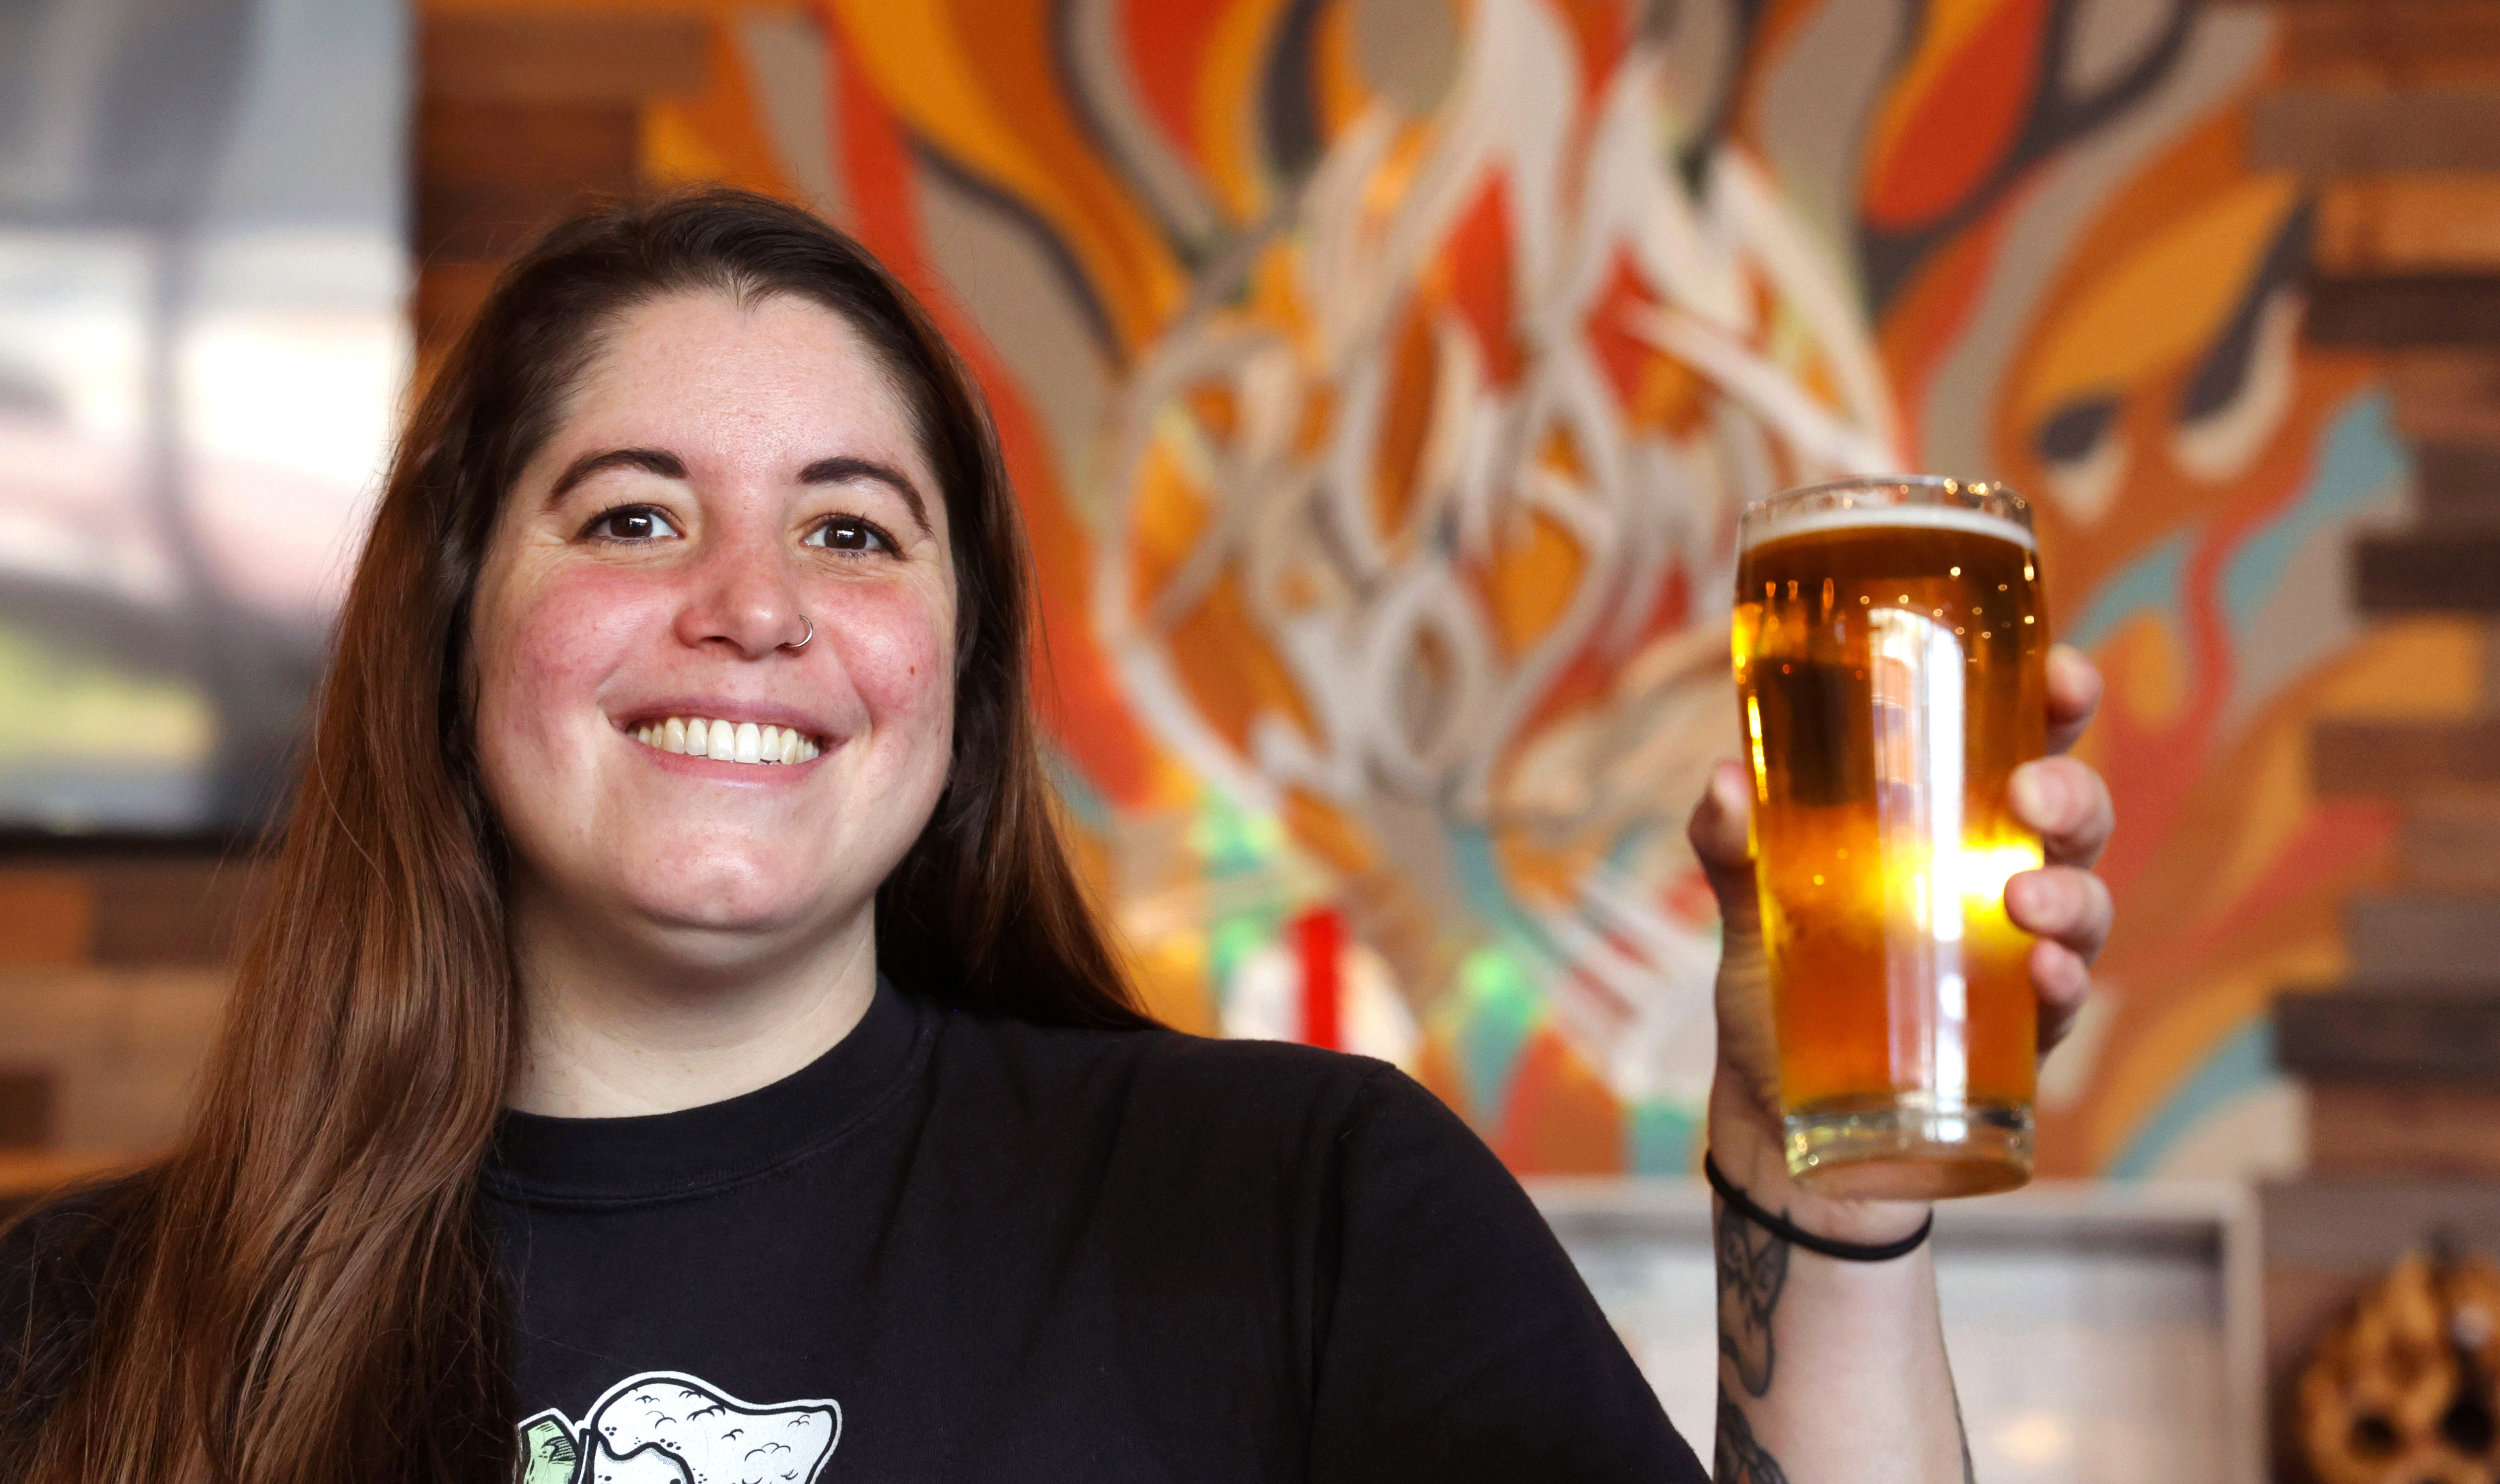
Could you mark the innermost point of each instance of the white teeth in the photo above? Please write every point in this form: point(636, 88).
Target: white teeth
point(742, 741)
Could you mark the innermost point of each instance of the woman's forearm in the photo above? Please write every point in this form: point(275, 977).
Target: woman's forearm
point(1830, 1371)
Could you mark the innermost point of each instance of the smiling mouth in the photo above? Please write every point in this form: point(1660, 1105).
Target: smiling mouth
point(728, 741)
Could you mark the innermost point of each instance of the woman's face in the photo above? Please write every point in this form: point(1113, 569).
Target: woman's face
point(720, 479)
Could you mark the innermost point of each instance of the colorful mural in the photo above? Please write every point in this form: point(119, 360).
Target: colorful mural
point(1382, 376)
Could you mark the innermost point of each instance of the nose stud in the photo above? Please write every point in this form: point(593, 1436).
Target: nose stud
point(811, 635)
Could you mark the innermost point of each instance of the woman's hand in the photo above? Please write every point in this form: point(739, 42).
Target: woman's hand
point(2062, 903)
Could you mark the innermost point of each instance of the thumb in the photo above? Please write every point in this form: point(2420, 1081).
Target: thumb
point(1720, 831)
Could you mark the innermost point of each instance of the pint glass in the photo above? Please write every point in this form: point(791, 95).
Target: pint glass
point(1891, 662)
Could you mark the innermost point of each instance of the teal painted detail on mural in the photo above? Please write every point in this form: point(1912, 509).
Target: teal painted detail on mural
point(1521, 938)
point(1494, 1014)
point(1230, 842)
point(2360, 463)
point(2241, 1065)
point(1480, 879)
point(1501, 994)
point(1084, 802)
point(1227, 839)
point(1234, 938)
point(1662, 1138)
point(2149, 584)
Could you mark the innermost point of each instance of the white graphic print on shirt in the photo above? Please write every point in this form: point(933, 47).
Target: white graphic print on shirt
point(666, 1428)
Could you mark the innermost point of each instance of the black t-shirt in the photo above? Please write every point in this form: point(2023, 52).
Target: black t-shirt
point(964, 1248)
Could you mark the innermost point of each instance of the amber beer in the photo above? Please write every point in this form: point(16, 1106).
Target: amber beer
point(1890, 659)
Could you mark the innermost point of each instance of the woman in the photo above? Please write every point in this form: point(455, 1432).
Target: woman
point(676, 1046)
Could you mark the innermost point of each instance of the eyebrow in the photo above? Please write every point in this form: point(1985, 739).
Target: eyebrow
point(844, 470)
point(666, 465)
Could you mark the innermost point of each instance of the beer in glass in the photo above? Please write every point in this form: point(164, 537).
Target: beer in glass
point(1890, 658)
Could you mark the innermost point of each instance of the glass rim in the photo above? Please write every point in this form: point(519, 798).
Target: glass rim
point(1985, 506)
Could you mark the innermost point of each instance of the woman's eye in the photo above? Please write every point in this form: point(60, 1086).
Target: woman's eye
point(629, 522)
point(847, 534)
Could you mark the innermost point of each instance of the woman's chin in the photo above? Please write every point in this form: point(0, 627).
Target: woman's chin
point(726, 893)
point(741, 905)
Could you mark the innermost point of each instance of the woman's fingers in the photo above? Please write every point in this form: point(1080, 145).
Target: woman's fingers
point(1748, 1054)
point(2068, 805)
point(2069, 911)
point(2062, 981)
point(2061, 904)
point(2064, 904)
point(2074, 694)
point(1718, 831)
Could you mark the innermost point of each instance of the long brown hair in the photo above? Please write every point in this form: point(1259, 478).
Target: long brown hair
point(303, 1291)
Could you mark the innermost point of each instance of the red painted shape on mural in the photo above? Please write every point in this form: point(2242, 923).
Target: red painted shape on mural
point(1477, 258)
point(2310, 872)
point(1319, 944)
point(875, 166)
point(1621, 356)
point(1560, 1118)
point(1672, 609)
point(1966, 122)
point(2320, 859)
point(1598, 35)
point(1080, 703)
point(1590, 676)
point(1167, 43)
point(1690, 900)
point(2152, 770)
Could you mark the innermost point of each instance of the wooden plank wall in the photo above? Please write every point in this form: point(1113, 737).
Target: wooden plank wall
point(522, 118)
point(113, 974)
point(2390, 110)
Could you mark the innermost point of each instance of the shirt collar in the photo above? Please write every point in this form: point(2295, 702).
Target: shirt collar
point(542, 1160)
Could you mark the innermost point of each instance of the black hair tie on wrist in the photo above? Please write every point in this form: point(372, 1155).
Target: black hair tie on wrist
point(1789, 1230)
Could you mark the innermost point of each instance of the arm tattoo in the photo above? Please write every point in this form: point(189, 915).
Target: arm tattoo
point(1752, 1268)
point(1739, 1459)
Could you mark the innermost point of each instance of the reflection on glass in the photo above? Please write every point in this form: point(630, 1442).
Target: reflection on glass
point(199, 350)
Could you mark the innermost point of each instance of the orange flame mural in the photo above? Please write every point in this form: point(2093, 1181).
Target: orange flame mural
point(1382, 376)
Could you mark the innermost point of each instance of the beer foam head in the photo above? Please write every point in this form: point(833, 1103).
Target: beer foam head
point(1772, 522)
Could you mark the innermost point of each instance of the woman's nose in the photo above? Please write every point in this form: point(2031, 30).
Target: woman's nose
point(743, 595)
